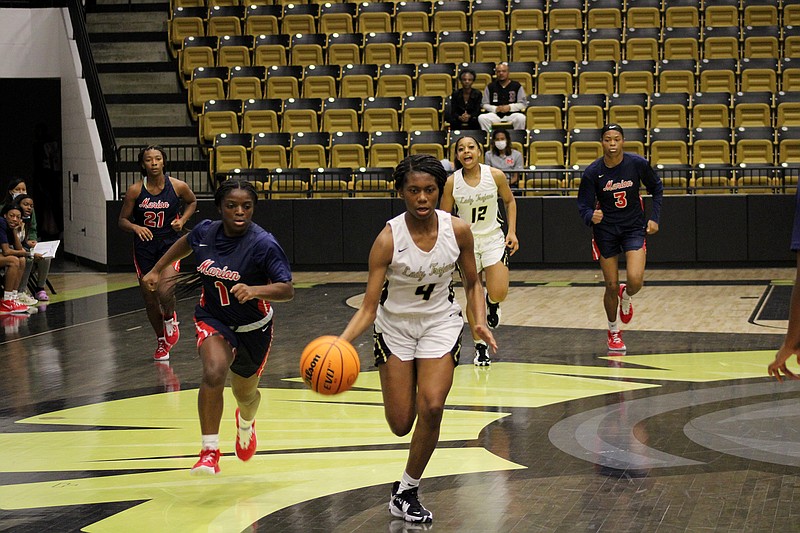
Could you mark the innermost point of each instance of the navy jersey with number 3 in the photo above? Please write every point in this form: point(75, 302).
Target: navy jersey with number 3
point(254, 258)
point(616, 191)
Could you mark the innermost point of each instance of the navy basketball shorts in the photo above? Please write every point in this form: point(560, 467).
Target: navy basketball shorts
point(147, 253)
point(610, 240)
point(250, 349)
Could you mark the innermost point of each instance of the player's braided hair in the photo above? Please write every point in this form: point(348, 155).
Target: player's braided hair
point(420, 163)
point(231, 184)
point(140, 158)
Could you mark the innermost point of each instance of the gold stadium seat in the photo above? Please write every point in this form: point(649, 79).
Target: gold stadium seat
point(320, 81)
point(752, 109)
point(417, 47)
point(721, 43)
point(230, 152)
point(528, 45)
point(341, 114)
point(491, 46)
point(349, 149)
point(299, 18)
point(584, 147)
point(677, 76)
point(636, 76)
point(546, 148)
point(358, 81)
point(757, 13)
point(790, 74)
point(642, 43)
point(234, 50)
point(586, 111)
point(225, 20)
point(523, 72)
point(428, 142)
point(309, 149)
point(270, 150)
point(555, 77)
point(755, 155)
point(681, 43)
point(413, 16)
point(545, 112)
point(261, 116)
point(381, 114)
point(284, 82)
point(675, 178)
point(566, 14)
point(245, 83)
point(759, 75)
point(381, 48)
point(196, 52)
point(682, 13)
point(207, 84)
point(270, 50)
point(547, 184)
point(713, 179)
point(218, 117)
point(761, 41)
point(185, 22)
point(301, 115)
point(787, 108)
point(489, 15)
point(451, 15)
point(345, 48)
point(718, 75)
point(262, 20)
point(454, 47)
point(396, 80)
point(711, 110)
point(711, 146)
point(337, 17)
point(566, 44)
point(422, 113)
point(669, 110)
point(375, 17)
point(669, 146)
point(643, 14)
point(435, 79)
point(721, 15)
point(604, 14)
point(528, 15)
point(628, 110)
point(387, 149)
point(596, 77)
point(604, 44)
point(307, 49)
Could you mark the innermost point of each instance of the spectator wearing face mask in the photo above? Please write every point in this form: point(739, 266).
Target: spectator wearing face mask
point(501, 156)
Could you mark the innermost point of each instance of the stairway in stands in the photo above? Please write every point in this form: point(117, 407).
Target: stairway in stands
point(146, 102)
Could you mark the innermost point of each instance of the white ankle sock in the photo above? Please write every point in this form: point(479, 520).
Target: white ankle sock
point(211, 442)
point(407, 482)
point(625, 295)
point(8, 295)
point(245, 425)
point(613, 326)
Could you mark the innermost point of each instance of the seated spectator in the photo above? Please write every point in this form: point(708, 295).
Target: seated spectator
point(501, 156)
point(465, 104)
point(503, 101)
point(28, 238)
point(16, 187)
point(12, 259)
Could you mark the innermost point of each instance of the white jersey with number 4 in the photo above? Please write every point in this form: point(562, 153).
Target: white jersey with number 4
point(419, 282)
point(477, 205)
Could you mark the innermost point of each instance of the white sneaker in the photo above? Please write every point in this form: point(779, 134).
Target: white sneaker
point(25, 299)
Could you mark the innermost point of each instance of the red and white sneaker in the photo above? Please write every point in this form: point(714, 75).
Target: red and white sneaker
point(162, 352)
point(208, 464)
point(12, 307)
point(171, 331)
point(625, 306)
point(245, 444)
point(615, 343)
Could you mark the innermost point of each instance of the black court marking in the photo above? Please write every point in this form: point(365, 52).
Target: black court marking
point(775, 304)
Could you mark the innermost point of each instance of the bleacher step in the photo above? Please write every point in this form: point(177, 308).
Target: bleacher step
point(130, 52)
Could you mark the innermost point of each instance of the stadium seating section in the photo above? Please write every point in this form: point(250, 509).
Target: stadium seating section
point(321, 99)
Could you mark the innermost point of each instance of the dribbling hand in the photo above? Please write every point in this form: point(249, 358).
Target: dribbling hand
point(778, 369)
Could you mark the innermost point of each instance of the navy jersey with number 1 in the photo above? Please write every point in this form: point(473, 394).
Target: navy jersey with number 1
point(254, 258)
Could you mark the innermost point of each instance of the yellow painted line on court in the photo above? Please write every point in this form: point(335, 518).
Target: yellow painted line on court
point(92, 290)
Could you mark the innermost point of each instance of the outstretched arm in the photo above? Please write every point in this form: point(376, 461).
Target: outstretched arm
point(177, 251)
point(379, 258)
point(504, 191)
point(472, 282)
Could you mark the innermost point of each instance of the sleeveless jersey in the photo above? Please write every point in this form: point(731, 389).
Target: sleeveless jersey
point(477, 205)
point(417, 282)
point(254, 258)
point(156, 213)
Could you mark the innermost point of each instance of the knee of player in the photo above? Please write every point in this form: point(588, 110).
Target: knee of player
point(612, 287)
point(400, 427)
point(214, 375)
point(431, 414)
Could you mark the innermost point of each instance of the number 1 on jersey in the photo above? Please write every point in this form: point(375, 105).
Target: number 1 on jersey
point(224, 299)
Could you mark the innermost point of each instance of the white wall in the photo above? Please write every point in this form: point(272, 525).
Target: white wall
point(37, 43)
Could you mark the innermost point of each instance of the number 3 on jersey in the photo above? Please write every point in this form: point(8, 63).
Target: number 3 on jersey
point(620, 200)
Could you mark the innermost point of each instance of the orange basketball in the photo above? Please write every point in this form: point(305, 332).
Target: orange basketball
point(329, 365)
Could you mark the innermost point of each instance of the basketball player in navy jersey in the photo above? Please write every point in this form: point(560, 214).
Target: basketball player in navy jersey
point(417, 321)
point(151, 211)
point(242, 268)
point(609, 202)
point(791, 342)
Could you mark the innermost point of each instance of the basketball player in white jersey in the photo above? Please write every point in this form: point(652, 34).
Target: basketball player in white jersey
point(473, 190)
point(417, 320)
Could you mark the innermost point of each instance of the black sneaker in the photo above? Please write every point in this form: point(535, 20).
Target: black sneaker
point(406, 505)
point(482, 355)
point(492, 314)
